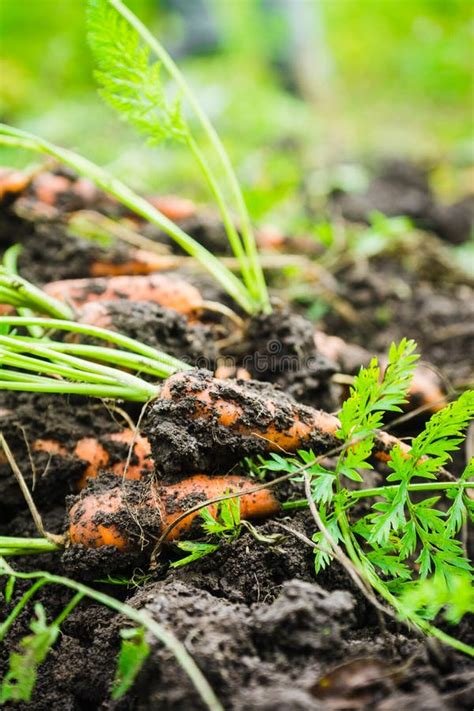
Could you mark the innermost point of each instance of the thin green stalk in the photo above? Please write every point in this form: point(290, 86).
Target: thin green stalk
point(118, 339)
point(24, 292)
point(68, 609)
point(142, 618)
point(140, 364)
point(90, 369)
point(10, 262)
point(15, 375)
point(248, 236)
point(232, 234)
point(232, 285)
point(20, 361)
point(33, 545)
point(65, 387)
point(7, 623)
point(381, 490)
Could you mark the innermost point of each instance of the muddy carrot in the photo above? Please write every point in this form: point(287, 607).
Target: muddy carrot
point(281, 422)
point(163, 289)
point(106, 518)
point(97, 455)
point(203, 423)
point(12, 182)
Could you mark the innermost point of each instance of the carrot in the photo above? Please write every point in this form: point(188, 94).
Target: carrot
point(12, 182)
point(282, 423)
point(140, 262)
point(106, 518)
point(173, 207)
point(97, 455)
point(201, 423)
point(48, 187)
point(163, 289)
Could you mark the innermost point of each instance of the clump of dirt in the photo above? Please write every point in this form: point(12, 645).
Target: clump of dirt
point(402, 188)
point(281, 350)
point(184, 441)
point(164, 329)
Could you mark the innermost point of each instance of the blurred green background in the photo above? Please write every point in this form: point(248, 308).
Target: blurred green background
point(375, 78)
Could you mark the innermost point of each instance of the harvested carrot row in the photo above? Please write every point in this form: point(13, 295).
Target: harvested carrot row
point(99, 455)
point(163, 289)
point(107, 518)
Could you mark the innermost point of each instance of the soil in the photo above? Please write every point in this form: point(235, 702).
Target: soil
point(267, 633)
point(412, 290)
point(164, 329)
point(401, 188)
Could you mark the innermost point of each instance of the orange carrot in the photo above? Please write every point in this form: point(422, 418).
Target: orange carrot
point(285, 425)
point(12, 182)
point(48, 187)
point(163, 289)
point(140, 262)
point(225, 421)
point(173, 207)
point(106, 518)
point(97, 455)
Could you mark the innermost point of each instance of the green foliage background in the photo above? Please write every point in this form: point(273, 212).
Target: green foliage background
point(400, 83)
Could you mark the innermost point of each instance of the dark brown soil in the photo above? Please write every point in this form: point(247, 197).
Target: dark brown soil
point(281, 350)
point(402, 188)
point(163, 329)
point(414, 290)
point(265, 631)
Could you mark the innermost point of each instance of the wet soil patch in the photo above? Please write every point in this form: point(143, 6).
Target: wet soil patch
point(281, 350)
point(164, 329)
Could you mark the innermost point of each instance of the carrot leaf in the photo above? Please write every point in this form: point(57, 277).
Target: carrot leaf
point(134, 651)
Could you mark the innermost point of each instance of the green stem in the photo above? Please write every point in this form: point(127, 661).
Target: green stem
point(232, 234)
point(6, 624)
point(42, 366)
point(68, 609)
point(22, 139)
point(142, 618)
point(248, 236)
point(39, 545)
point(89, 369)
point(10, 262)
point(118, 339)
point(140, 364)
point(381, 490)
point(65, 387)
point(32, 297)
